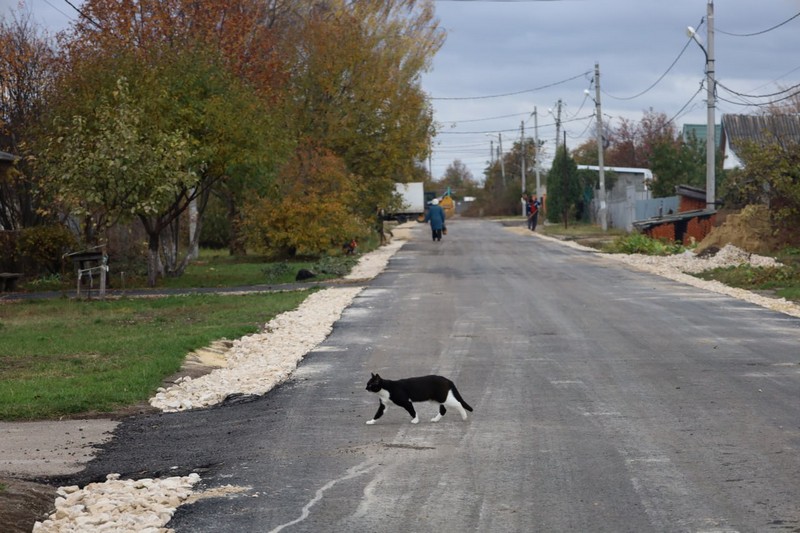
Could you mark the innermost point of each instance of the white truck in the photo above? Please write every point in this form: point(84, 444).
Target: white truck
point(413, 201)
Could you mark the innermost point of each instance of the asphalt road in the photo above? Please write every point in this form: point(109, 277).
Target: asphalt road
point(605, 399)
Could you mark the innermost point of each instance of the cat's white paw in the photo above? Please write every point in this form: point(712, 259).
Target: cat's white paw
point(415, 420)
point(436, 418)
point(370, 422)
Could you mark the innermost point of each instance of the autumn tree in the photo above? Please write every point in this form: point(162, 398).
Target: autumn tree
point(113, 164)
point(311, 208)
point(771, 175)
point(459, 179)
point(26, 74)
point(241, 38)
point(356, 69)
point(651, 143)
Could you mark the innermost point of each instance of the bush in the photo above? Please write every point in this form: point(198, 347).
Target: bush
point(642, 244)
point(41, 248)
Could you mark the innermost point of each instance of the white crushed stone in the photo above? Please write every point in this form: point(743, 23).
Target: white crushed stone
point(255, 364)
point(142, 505)
point(679, 267)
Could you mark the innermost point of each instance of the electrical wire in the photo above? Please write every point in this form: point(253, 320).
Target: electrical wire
point(481, 119)
point(676, 115)
point(84, 15)
point(759, 32)
point(781, 92)
point(767, 104)
point(683, 50)
point(510, 94)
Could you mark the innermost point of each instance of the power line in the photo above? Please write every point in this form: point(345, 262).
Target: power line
point(84, 15)
point(482, 119)
point(760, 32)
point(771, 95)
point(683, 50)
point(787, 97)
point(511, 94)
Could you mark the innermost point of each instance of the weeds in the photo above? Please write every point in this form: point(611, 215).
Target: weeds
point(641, 244)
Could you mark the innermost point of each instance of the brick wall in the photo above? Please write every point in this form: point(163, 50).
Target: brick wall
point(690, 204)
point(698, 227)
point(662, 231)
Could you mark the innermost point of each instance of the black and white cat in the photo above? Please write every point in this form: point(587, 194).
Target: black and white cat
point(422, 389)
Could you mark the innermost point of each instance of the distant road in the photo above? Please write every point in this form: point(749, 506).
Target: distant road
point(606, 400)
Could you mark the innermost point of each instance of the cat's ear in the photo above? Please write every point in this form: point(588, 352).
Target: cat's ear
point(373, 375)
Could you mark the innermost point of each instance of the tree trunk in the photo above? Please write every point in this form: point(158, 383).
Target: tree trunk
point(236, 246)
point(153, 262)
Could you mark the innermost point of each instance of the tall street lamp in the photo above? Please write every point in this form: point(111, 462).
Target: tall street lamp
point(711, 144)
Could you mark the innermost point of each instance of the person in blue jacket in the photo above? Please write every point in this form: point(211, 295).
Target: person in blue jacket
point(435, 216)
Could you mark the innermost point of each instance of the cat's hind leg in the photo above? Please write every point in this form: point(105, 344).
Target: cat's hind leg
point(452, 402)
point(408, 406)
point(441, 413)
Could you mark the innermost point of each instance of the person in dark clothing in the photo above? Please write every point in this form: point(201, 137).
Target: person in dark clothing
point(435, 216)
point(533, 213)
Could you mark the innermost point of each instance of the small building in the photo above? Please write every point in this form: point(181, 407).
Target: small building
point(692, 222)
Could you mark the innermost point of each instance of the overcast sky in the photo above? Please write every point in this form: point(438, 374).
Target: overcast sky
point(532, 48)
point(496, 48)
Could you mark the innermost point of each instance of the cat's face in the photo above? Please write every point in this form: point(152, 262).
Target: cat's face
point(374, 383)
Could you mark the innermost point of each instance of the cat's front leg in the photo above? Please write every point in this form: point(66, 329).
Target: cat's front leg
point(381, 409)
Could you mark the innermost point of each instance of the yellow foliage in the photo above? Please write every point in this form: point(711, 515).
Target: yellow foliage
point(312, 210)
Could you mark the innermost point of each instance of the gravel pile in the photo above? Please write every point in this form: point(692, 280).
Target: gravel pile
point(691, 263)
point(143, 505)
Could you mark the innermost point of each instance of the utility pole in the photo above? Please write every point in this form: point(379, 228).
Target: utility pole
point(536, 154)
point(564, 180)
point(491, 152)
point(600, 164)
point(711, 144)
point(522, 160)
point(558, 123)
point(500, 156)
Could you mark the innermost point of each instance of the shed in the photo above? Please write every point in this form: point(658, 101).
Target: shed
point(692, 221)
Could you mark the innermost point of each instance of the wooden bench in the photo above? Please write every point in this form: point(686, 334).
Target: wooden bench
point(8, 281)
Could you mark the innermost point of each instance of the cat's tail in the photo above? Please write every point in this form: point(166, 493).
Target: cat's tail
point(458, 397)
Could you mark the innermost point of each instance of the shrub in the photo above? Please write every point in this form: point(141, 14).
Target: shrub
point(41, 248)
point(642, 244)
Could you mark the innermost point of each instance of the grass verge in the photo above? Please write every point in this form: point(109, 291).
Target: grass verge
point(65, 357)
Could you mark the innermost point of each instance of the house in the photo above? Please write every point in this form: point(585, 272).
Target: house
point(761, 129)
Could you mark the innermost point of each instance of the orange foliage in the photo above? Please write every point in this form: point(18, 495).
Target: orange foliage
point(239, 30)
point(311, 212)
